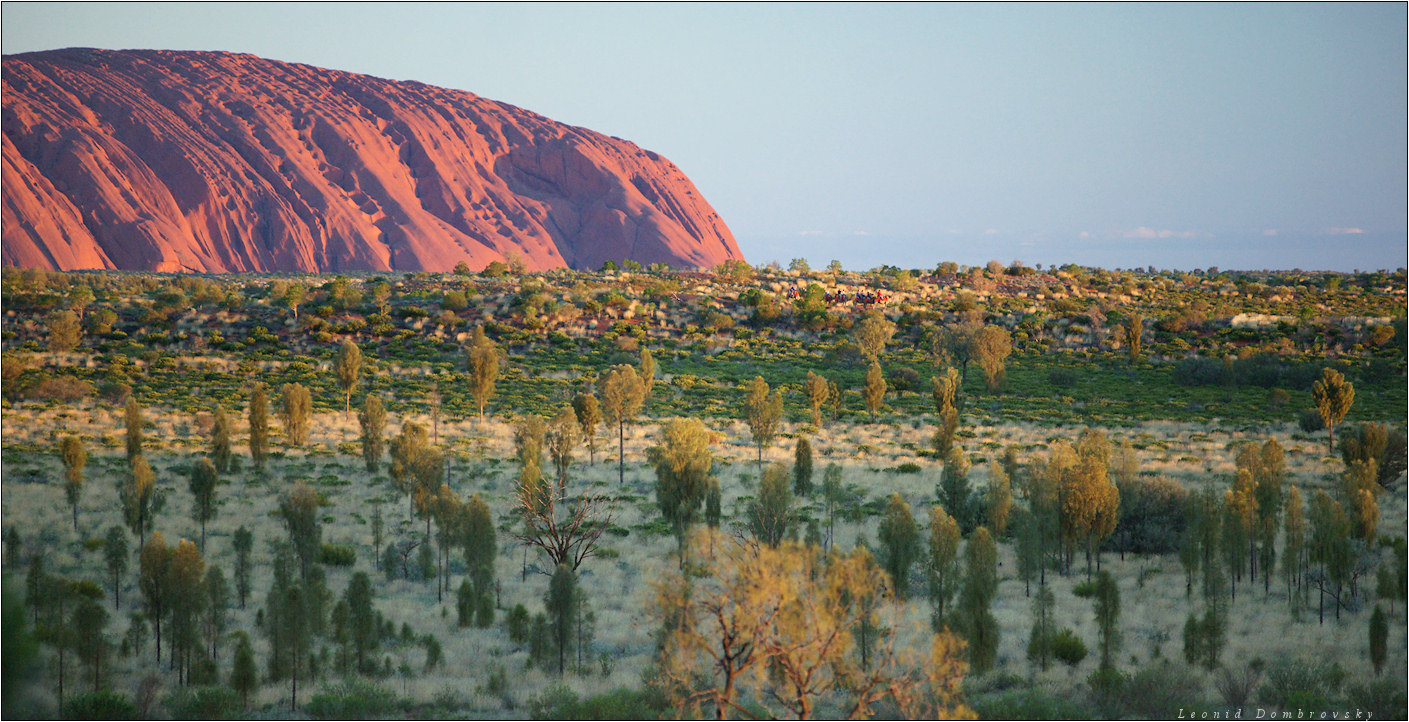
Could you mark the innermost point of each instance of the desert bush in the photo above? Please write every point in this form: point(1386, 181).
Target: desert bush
point(1301, 684)
point(517, 623)
point(105, 704)
point(905, 379)
point(1380, 699)
point(1063, 377)
point(1151, 517)
point(351, 699)
point(1198, 371)
point(1107, 687)
point(1029, 704)
point(337, 555)
point(1068, 647)
point(1159, 690)
point(203, 703)
point(618, 704)
point(1236, 685)
point(43, 387)
point(1310, 421)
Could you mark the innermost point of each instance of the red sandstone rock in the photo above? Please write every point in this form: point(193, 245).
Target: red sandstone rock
point(216, 162)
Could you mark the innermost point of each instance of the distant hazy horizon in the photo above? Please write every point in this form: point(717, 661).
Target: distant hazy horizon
point(1247, 135)
point(1355, 252)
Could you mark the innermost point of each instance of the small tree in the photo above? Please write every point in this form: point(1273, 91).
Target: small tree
point(763, 413)
point(154, 560)
point(132, 417)
point(561, 604)
point(372, 419)
point(244, 677)
point(293, 297)
point(1333, 396)
point(1029, 547)
point(942, 565)
point(90, 643)
point(622, 396)
point(221, 444)
point(953, 491)
point(115, 553)
point(771, 512)
point(1133, 328)
point(137, 499)
point(818, 394)
point(682, 462)
point(802, 468)
point(647, 373)
point(832, 497)
point(872, 334)
point(1000, 498)
point(243, 542)
point(991, 347)
point(348, 367)
point(562, 439)
point(874, 391)
point(484, 369)
point(217, 603)
point(589, 417)
point(945, 389)
point(364, 628)
point(416, 467)
point(1107, 603)
point(294, 412)
point(1379, 635)
point(299, 509)
point(259, 426)
point(976, 620)
point(478, 539)
point(64, 331)
point(1039, 644)
point(75, 457)
point(202, 485)
point(1370, 441)
point(900, 538)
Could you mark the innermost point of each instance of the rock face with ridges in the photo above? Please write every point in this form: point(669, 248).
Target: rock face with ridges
point(218, 163)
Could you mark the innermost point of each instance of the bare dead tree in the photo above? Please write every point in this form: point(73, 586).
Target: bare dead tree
point(566, 531)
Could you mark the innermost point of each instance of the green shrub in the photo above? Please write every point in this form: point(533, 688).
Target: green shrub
point(1159, 690)
point(105, 704)
point(337, 555)
point(209, 702)
point(553, 703)
point(1382, 699)
point(618, 704)
point(908, 467)
point(1063, 378)
point(1294, 684)
point(517, 622)
point(1085, 590)
point(351, 699)
point(1029, 704)
point(1068, 647)
point(1310, 421)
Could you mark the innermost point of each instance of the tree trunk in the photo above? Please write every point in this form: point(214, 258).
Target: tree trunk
point(621, 452)
point(61, 676)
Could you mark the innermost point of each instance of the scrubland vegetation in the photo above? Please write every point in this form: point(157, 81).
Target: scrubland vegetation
point(638, 493)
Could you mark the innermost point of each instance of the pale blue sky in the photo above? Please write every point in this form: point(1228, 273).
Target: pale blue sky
point(1259, 135)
